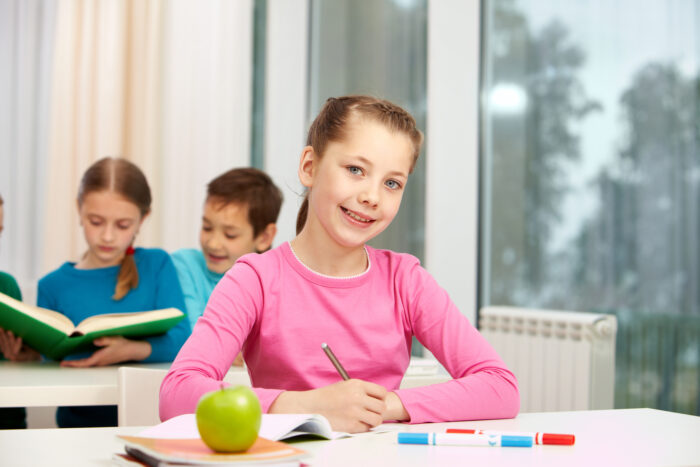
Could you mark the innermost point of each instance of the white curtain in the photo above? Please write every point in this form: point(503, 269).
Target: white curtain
point(26, 53)
point(207, 109)
point(165, 84)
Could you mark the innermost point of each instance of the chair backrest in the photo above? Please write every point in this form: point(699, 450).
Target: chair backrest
point(138, 393)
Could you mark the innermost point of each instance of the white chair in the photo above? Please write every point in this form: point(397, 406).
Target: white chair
point(138, 393)
point(424, 371)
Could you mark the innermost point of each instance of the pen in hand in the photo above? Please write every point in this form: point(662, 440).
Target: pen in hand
point(335, 362)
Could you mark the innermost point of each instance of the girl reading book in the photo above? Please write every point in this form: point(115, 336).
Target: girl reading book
point(327, 285)
point(114, 277)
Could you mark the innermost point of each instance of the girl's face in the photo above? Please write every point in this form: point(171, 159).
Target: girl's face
point(227, 235)
point(357, 186)
point(110, 222)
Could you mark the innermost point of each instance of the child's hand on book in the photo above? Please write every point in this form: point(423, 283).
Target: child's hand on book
point(14, 349)
point(352, 406)
point(114, 349)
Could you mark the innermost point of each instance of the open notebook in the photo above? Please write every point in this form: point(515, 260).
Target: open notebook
point(274, 426)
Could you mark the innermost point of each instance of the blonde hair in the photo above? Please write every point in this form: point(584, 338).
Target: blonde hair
point(123, 177)
point(332, 122)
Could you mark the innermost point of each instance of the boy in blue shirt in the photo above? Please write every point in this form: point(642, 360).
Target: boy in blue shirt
point(240, 212)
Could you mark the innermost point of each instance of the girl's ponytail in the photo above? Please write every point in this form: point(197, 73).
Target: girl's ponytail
point(128, 277)
point(302, 214)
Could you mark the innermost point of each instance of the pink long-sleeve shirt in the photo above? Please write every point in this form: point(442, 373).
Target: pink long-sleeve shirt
point(279, 312)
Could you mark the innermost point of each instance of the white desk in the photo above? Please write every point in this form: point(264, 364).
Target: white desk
point(46, 384)
point(638, 437)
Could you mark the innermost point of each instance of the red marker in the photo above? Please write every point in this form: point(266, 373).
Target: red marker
point(537, 438)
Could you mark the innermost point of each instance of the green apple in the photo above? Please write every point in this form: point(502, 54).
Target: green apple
point(228, 419)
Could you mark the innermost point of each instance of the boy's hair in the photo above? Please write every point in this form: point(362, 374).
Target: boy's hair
point(1, 201)
point(125, 178)
point(333, 121)
point(252, 188)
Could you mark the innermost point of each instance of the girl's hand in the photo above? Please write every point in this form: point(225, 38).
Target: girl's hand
point(14, 349)
point(115, 349)
point(353, 406)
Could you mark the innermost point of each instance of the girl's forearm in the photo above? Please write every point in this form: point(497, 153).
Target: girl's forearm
point(139, 350)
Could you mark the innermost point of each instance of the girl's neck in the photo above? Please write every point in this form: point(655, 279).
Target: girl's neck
point(329, 258)
point(88, 261)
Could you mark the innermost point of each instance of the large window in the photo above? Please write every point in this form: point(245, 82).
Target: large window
point(377, 48)
point(591, 177)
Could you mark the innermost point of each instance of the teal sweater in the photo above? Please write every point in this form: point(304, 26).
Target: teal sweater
point(196, 279)
point(81, 293)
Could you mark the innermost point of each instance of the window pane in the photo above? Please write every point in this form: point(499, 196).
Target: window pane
point(258, 117)
point(377, 48)
point(591, 173)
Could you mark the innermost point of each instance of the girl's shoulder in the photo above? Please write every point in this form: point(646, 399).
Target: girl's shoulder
point(59, 276)
point(151, 256)
point(388, 259)
point(271, 259)
point(188, 255)
point(156, 253)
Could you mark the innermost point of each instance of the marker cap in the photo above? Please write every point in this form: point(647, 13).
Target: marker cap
point(552, 438)
point(412, 438)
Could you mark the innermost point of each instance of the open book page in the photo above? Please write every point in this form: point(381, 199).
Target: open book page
point(52, 318)
point(274, 426)
point(115, 320)
point(285, 426)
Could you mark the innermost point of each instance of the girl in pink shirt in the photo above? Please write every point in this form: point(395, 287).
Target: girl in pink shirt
point(327, 285)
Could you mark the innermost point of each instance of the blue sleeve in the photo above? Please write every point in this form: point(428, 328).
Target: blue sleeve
point(192, 301)
point(168, 295)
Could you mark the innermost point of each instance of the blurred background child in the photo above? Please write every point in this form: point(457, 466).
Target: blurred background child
point(114, 277)
point(240, 215)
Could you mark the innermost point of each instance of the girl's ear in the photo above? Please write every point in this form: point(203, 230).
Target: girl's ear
point(307, 166)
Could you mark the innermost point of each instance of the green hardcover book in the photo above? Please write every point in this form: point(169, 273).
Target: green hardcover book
point(55, 336)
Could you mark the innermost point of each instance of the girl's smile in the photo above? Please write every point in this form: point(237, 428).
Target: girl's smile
point(362, 220)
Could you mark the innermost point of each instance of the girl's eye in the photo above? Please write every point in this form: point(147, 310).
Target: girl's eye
point(393, 184)
point(355, 170)
point(206, 228)
point(124, 226)
point(231, 237)
point(95, 222)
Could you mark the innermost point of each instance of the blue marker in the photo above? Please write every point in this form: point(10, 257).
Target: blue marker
point(450, 439)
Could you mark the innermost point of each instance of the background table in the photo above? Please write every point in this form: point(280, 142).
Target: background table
point(636, 437)
point(46, 384)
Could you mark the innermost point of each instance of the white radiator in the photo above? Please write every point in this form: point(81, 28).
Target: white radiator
point(563, 360)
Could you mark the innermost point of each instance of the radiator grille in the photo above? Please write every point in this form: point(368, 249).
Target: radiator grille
point(563, 360)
